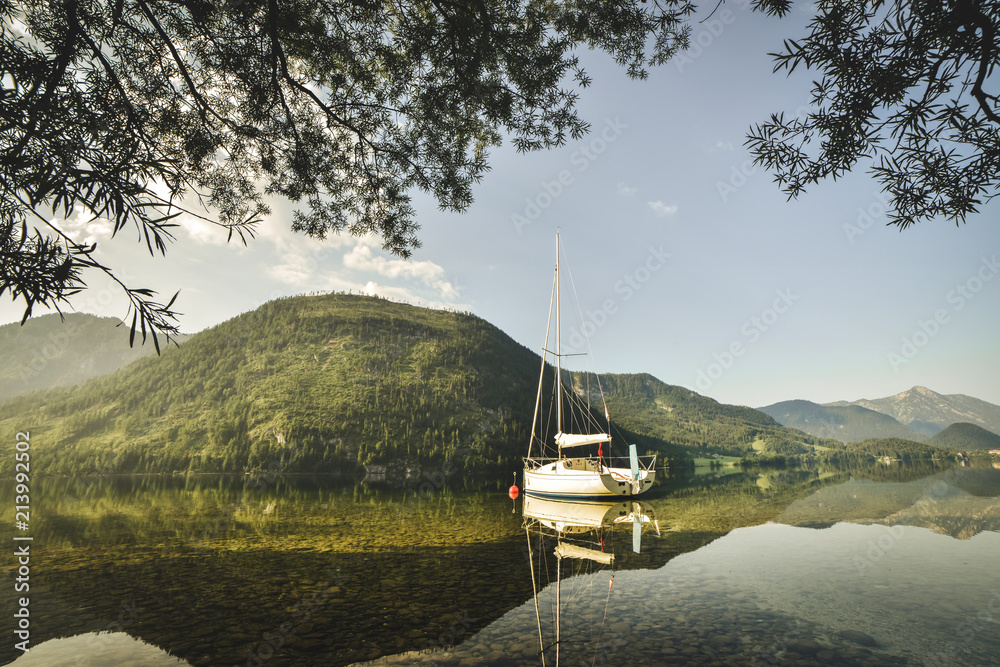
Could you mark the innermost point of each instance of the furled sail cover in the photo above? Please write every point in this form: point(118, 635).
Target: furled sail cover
point(564, 550)
point(577, 439)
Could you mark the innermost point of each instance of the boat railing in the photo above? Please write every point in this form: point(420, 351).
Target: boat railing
point(645, 462)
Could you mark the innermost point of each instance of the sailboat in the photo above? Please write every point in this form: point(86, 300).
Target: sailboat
point(576, 473)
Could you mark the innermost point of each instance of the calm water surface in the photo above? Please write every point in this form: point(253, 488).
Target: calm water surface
point(879, 566)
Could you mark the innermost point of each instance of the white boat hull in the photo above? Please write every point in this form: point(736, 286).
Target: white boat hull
point(584, 478)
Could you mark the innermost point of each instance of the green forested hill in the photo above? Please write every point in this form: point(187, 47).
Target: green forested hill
point(900, 448)
point(644, 404)
point(302, 383)
point(50, 351)
point(964, 436)
point(329, 383)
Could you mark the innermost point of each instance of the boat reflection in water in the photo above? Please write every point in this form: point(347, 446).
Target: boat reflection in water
point(583, 534)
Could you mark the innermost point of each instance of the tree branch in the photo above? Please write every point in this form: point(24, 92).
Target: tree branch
point(976, 19)
point(203, 107)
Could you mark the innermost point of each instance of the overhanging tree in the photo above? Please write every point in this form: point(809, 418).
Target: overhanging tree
point(909, 87)
point(137, 111)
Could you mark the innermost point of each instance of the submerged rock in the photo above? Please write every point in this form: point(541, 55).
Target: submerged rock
point(805, 646)
point(858, 637)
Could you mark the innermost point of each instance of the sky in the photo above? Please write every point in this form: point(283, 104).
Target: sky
point(688, 262)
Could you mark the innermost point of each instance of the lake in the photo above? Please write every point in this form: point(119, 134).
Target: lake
point(882, 565)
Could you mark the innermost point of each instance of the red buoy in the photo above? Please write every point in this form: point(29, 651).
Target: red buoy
point(513, 490)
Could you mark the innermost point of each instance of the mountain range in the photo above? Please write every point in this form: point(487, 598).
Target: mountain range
point(917, 414)
point(929, 412)
point(60, 351)
point(337, 382)
point(847, 423)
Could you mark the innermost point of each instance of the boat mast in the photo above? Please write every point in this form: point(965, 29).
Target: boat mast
point(541, 375)
point(558, 348)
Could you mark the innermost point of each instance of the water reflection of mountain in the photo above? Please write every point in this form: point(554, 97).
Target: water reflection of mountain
point(761, 595)
point(961, 502)
point(216, 563)
point(220, 569)
point(97, 648)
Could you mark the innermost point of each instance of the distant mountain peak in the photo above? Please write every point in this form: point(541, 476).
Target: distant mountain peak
point(847, 423)
point(928, 412)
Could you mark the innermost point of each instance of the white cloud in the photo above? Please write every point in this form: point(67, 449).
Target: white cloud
point(341, 262)
point(310, 265)
point(626, 190)
point(361, 258)
point(662, 210)
point(204, 232)
point(294, 270)
point(84, 231)
point(303, 261)
point(396, 293)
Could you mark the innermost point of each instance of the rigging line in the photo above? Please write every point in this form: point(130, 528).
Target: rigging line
point(585, 416)
point(582, 588)
point(548, 427)
point(545, 563)
point(579, 419)
point(590, 350)
point(592, 419)
point(583, 572)
point(583, 328)
point(606, 413)
point(604, 620)
point(538, 617)
point(550, 417)
point(541, 374)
